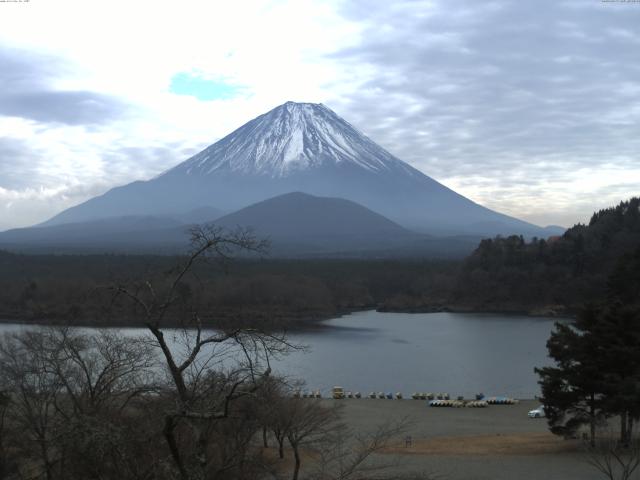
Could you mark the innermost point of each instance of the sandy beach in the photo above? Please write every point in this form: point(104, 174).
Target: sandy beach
point(497, 442)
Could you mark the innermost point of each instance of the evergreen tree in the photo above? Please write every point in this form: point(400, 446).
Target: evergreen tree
point(624, 282)
point(619, 331)
point(572, 391)
point(598, 360)
point(620, 334)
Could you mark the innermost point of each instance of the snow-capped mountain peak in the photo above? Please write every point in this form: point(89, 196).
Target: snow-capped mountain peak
point(300, 147)
point(290, 138)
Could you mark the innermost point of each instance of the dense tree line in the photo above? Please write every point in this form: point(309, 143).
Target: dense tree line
point(559, 272)
point(69, 288)
point(547, 276)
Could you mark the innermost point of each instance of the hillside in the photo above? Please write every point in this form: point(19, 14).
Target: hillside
point(301, 147)
point(298, 225)
point(561, 273)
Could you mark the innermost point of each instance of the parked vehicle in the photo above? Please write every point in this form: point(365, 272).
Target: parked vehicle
point(537, 413)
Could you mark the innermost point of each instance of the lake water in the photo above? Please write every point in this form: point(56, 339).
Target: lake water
point(460, 354)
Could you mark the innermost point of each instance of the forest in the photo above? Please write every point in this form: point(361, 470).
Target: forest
point(556, 274)
point(115, 406)
point(552, 276)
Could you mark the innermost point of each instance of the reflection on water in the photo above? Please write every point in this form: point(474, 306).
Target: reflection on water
point(459, 354)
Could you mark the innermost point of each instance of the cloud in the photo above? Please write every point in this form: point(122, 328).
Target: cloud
point(71, 108)
point(15, 171)
point(31, 205)
point(500, 96)
point(27, 91)
point(529, 108)
point(128, 161)
point(31, 191)
point(40, 177)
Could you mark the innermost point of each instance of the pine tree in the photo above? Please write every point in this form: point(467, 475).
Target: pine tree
point(572, 392)
point(598, 360)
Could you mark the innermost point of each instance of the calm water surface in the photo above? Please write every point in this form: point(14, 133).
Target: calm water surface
point(460, 354)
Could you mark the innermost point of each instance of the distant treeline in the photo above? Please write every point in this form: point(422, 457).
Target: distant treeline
point(559, 273)
point(555, 275)
point(75, 288)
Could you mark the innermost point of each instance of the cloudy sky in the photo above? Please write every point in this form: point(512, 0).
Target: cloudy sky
point(531, 108)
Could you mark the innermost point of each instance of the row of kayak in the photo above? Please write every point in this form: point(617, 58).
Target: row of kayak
point(435, 399)
point(474, 403)
point(430, 396)
point(307, 394)
point(501, 401)
point(459, 403)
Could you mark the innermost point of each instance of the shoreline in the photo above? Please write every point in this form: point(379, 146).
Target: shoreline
point(546, 311)
point(310, 322)
point(289, 323)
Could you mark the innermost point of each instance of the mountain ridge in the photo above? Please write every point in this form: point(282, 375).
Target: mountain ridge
point(299, 225)
point(308, 148)
point(304, 215)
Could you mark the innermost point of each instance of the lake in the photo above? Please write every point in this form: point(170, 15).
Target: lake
point(455, 353)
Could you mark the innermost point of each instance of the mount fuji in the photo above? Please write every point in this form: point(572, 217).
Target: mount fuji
point(298, 147)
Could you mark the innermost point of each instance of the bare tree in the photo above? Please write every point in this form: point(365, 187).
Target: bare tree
point(308, 422)
point(66, 399)
point(270, 412)
point(274, 413)
point(97, 372)
point(210, 370)
point(7, 465)
point(611, 457)
point(33, 393)
point(103, 376)
point(344, 454)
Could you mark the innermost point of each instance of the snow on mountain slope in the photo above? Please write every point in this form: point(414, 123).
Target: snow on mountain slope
point(289, 138)
point(301, 147)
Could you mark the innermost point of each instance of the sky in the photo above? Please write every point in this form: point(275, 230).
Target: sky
point(529, 107)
